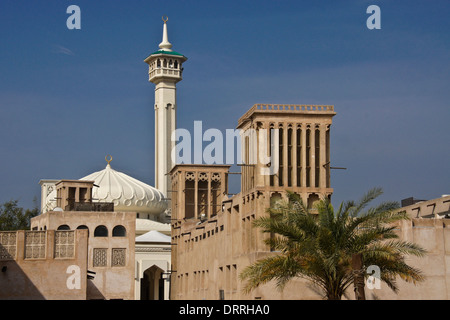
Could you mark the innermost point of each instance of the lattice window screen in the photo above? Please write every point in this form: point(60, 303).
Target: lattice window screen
point(35, 244)
point(118, 257)
point(100, 257)
point(8, 245)
point(64, 244)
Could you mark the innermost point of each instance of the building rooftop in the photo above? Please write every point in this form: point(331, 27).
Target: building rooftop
point(286, 108)
point(167, 52)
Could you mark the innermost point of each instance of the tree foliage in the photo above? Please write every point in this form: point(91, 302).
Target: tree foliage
point(13, 217)
point(319, 244)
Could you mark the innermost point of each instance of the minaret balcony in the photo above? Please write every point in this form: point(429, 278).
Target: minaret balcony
point(165, 72)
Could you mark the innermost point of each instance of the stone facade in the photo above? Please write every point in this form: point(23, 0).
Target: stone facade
point(212, 234)
point(110, 252)
point(110, 248)
point(429, 227)
point(43, 265)
point(434, 236)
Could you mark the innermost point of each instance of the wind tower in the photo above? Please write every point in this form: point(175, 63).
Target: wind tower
point(165, 70)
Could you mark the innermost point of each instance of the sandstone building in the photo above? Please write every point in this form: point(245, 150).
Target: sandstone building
point(212, 233)
point(38, 265)
point(110, 244)
point(85, 236)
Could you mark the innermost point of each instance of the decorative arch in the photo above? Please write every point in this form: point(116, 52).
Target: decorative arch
point(119, 231)
point(101, 231)
point(275, 198)
point(152, 284)
point(312, 199)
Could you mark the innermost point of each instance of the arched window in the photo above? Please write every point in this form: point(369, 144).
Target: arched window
point(63, 227)
point(101, 231)
point(119, 231)
point(165, 63)
point(175, 65)
point(312, 199)
point(158, 64)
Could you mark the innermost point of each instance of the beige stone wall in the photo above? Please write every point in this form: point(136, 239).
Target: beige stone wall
point(111, 257)
point(434, 236)
point(428, 228)
point(212, 254)
point(39, 265)
point(211, 258)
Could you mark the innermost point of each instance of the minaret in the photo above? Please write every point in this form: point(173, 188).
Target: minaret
point(165, 70)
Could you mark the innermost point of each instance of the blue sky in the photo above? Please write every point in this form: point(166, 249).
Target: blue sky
point(70, 97)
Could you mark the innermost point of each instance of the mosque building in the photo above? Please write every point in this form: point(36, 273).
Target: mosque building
point(126, 193)
point(128, 239)
point(148, 205)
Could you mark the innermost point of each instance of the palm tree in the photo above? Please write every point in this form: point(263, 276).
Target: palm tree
point(320, 245)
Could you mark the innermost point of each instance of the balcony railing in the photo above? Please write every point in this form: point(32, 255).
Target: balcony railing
point(90, 206)
point(165, 72)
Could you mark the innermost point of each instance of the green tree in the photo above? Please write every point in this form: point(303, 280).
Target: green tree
point(13, 217)
point(320, 244)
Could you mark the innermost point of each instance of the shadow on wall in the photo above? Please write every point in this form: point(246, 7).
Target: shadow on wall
point(15, 284)
point(92, 292)
point(43, 265)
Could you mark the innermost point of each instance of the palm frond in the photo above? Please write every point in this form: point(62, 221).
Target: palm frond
point(320, 246)
point(279, 268)
point(364, 201)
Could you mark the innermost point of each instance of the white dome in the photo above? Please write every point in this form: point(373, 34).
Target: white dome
point(153, 236)
point(146, 225)
point(127, 193)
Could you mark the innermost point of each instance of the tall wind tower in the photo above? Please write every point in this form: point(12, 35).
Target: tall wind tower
point(165, 70)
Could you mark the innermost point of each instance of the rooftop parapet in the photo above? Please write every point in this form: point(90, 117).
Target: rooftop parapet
point(287, 108)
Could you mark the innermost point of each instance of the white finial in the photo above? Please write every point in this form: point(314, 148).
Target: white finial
point(165, 45)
